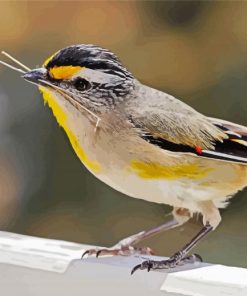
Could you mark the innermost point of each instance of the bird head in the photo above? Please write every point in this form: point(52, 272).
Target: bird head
point(90, 75)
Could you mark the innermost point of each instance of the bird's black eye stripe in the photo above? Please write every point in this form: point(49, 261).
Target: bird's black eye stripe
point(81, 84)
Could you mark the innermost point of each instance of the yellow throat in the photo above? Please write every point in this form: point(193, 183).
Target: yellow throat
point(61, 118)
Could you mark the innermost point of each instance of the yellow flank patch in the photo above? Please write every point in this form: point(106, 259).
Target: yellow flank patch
point(61, 118)
point(206, 184)
point(64, 72)
point(173, 172)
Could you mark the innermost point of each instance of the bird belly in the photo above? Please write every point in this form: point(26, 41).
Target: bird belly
point(172, 192)
point(183, 185)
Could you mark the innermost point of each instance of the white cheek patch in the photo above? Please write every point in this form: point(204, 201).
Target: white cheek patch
point(95, 76)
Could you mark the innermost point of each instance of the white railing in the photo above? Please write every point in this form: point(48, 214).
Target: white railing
point(34, 266)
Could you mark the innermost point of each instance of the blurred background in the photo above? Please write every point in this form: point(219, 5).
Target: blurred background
point(195, 50)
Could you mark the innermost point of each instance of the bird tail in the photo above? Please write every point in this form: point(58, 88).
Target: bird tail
point(235, 146)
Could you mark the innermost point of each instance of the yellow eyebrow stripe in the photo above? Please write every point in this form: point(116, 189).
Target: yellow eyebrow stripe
point(173, 172)
point(64, 72)
point(50, 58)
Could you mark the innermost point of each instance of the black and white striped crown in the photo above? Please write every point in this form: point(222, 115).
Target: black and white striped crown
point(89, 56)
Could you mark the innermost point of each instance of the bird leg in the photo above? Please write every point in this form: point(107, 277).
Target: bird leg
point(210, 214)
point(126, 246)
point(179, 257)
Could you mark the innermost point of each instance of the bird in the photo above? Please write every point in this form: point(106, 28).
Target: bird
point(144, 143)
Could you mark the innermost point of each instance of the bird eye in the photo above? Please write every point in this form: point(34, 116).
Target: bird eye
point(81, 84)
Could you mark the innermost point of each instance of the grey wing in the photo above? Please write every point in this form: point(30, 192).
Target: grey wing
point(174, 126)
point(163, 116)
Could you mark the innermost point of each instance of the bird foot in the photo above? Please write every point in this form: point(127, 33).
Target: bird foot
point(172, 262)
point(121, 250)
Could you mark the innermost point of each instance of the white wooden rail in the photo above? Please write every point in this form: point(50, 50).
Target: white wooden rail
point(32, 266)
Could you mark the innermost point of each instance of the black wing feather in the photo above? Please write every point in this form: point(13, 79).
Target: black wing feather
point(232, 149)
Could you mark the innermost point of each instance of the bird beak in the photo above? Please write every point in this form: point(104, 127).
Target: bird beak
point(36, 75)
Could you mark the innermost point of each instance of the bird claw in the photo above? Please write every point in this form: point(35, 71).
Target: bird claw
point(165, 264)
point(144, 265)
point(98, 253)
point(122, 251)
point(192, 259)
point(85, 253)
